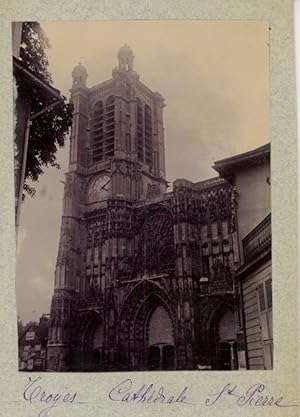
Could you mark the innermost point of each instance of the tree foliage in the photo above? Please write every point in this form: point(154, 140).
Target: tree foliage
point(48, 131)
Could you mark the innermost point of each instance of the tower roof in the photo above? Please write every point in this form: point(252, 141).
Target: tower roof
point(125, 52)
point(79, 69)
point(125, 58)
point(79, 75)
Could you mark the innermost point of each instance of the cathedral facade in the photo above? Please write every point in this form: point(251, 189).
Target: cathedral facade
point(144, 277)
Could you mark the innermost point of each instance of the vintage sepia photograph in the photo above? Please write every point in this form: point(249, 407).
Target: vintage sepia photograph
point(143, 195)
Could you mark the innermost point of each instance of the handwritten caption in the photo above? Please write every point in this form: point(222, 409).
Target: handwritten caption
point(35, 392)
point(128, 392)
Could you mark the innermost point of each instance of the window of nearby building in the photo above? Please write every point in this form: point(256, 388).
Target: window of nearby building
point(264, 299)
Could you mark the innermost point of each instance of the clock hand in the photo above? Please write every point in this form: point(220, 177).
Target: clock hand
point(103, 186)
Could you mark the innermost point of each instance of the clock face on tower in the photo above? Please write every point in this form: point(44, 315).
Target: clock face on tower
point(99, 188)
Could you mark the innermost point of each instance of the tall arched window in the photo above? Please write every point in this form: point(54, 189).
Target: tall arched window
point(139, 130)
point(97, 132)
point(148, 136)
point(109, 127)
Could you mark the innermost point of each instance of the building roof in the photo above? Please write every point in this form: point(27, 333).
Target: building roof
point(25, 75)
point(38, 328)
point(226, 167)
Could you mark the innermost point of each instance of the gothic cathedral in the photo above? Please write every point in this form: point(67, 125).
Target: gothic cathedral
point(144, 278)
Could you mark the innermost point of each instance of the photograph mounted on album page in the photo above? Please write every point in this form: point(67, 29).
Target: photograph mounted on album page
point(143, 152)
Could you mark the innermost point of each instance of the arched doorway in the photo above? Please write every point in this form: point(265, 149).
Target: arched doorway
point(93, 351)
point(97, 347)
point(146, 338)
point(161, 350)
point(226, 332)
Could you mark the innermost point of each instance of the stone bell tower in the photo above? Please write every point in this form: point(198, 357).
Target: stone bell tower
point(116, 161)
point(144, 278)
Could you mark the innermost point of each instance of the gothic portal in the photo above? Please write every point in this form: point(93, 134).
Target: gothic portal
point(144, 277)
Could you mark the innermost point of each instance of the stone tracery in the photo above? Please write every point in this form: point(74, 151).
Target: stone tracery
point(138, 248)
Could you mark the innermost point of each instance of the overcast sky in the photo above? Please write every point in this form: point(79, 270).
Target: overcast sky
point(214, 77)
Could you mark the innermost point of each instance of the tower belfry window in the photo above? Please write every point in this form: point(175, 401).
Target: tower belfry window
point(109, 128)
point(148, 136)
point(98, 136)
point(139, 130)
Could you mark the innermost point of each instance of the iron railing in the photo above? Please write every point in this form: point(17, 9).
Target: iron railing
point(258, 239)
